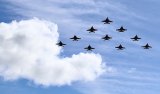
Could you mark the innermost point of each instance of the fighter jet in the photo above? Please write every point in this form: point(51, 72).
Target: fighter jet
point(106, 37)
point(136, 38)
point(89, 48)
point(60, 44)
point(120, 47)
point(107, 21)
point(121, 29)
point(147, 46)
point(92, 29)
point(75, 38)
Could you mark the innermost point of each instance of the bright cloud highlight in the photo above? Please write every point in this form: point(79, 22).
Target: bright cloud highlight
point(28, 50)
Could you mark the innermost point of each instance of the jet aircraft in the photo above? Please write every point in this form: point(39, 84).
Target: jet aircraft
point(107, 37)
point(120, 47)
point(92, 30)
point(136, 38)
point(60, 44)
point(89, 48)
point(147, 46)
point(121, 29)
point(107, 21)
point(75, 38)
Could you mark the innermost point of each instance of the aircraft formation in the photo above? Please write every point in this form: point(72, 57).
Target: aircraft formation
point(106, 37)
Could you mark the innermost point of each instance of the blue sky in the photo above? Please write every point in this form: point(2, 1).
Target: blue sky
point(135, 70)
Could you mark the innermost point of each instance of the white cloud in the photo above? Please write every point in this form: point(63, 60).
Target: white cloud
point(28, 50)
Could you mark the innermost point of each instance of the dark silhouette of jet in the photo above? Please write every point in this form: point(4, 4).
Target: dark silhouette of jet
point(60, 44)
point(107, 21)
point(92, 29)
point(121, 29)
point(136, 38)
point(147, 46)
point(107, 37)
point(75, 38)
point(89, 48)
point(120, 47)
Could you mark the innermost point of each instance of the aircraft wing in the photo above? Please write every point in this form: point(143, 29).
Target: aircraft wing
point(92, 48)
point(71, 38)
point(117, 29)
point(86, 48)
point(104, 21)
point(95, 29)
point(117, 47)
